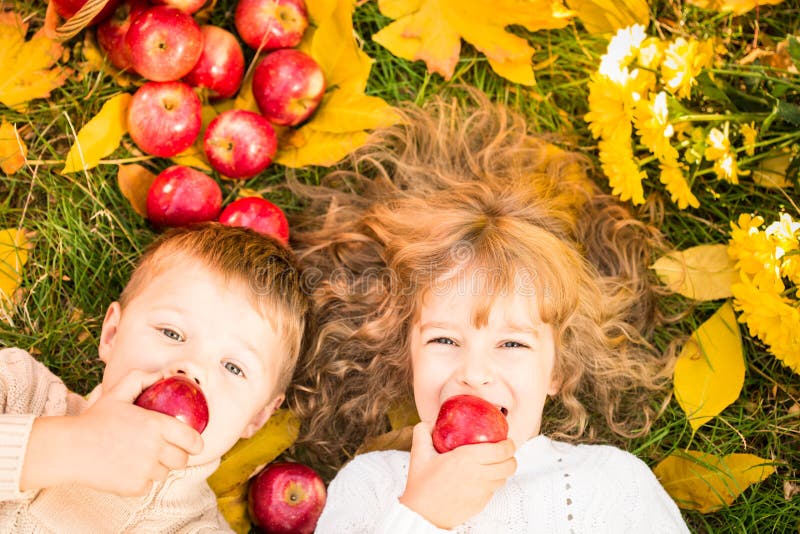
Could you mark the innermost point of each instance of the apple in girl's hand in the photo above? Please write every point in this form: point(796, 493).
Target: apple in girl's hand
point(239, 143)
point(67, 8)
point(165, 43)
point(111, 32)
point(180, 196)
point(286, 498)
point(221, 65)
point(258, 214)
point(187, 6)
point(164, 118)
point(179, 397)
point(288, 86)
point(466, 419)
point(271, 24)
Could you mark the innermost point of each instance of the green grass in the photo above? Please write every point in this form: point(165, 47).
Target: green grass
point(87, 236)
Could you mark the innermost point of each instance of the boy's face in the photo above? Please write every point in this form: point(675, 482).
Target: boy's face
point(508, 362)
point(187, 319)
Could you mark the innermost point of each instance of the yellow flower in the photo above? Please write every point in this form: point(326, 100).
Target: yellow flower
point(736, 6)
point(610, 108)
point(651, 51)
point(622, 49)
point(727, 168)
point(652, 124)
point(750, 248)
point(683, 61)
point(624, 175)
point(718, 150)
point(749, 133)
point(677, 186)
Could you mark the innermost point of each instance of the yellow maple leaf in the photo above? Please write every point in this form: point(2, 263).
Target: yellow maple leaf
point(704, 272)
point(735, 6)
point(134, 182)
point(27, 66)
point(100, 136)
point(709, 373)
point(608, 16)
point(319, 148)
point(13, 256)
point(431, 31)
point(705, 482)
point(13, 150)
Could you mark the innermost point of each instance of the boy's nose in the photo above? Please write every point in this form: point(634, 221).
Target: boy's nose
point(189, 371)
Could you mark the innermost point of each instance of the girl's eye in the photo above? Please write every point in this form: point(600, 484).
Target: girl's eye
point(233, 369)
point(514, 345)
point(442, 341)
point(172, 334)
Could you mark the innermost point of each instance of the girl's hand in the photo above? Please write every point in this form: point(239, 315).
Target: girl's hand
point(447, 489)
point(113, 446)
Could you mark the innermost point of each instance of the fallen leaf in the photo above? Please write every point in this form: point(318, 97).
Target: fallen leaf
point(13, 150)
point(608, 16)
point(771, 171)
point(402, 414)
point(396, 440)
point(334, 48)
point(709, 373)
point(320, 148)
point(28, 67)
point(735, 6)
point(706, 483)
point(100, 136)
point(431, 31)
point(94, 60)
point(233, 506)
point(248, 456)
point(704, 272)
point(345, 112)
point(13, 256)
point(134, 181)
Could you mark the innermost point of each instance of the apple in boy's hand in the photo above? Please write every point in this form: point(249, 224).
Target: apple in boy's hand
point(288, 86)
point(111, 32)
point(466, 419)
point(180, 196)
point(221, 65)
point(67, 8)
point(286, 498)
point(179, 397)
point(258, 214)
point(187, 6)
point(164, 118)
point(165, 43)
point(271, 24)
point(240, 143)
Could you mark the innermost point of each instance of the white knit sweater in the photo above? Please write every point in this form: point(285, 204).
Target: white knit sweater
point(557, 488)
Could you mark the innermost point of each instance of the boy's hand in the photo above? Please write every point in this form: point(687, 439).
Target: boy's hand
point(447, 489)
point(113, 446)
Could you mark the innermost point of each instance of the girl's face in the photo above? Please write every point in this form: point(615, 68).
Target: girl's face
point(508, 362)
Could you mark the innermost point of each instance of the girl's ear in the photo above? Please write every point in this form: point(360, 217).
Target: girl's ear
point(262, 417)
point(109, 332)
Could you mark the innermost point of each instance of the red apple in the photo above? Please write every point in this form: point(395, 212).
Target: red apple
point(288, 86)
point(239, 143)
point(164, 118)
point(67, 8)
point(221, 65)
point(271, 24)
point(286, 498)
point(187, 6)
point(180, 196)
point(165, 43)
point(258, 214)
point(465, 419)
point(179, 397)
point(111, 32)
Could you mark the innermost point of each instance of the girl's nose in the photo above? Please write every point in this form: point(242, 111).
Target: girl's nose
point(475, 370)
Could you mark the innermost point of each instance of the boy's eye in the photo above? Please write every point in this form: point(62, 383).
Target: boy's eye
point(233, 369)
point(172, 334)
point(442, 341)
point(513, 344)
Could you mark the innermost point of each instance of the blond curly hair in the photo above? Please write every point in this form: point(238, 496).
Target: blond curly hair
point(453, 186)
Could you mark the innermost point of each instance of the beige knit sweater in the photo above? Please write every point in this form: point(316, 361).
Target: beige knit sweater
point(183, 503)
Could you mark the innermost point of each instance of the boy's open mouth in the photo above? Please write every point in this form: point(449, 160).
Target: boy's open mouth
point(504, 411)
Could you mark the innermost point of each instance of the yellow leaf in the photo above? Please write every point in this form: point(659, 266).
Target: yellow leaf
point(343, 112)
point(233, 506)
point(607, 16)
point(431, 31)
point(771, 171)
point(704, 272)
point(13, 256)
point(403, 414)
point(94, 60)
point(736, 6)
point(319, 10)
point(248, 456)
point(134, 181)
point(320, 148)
point(709, 373)
point(12, 149)
point(704, 482)
point(100, 136)
point(27, 66)
point(245, 99)
point(395, 440)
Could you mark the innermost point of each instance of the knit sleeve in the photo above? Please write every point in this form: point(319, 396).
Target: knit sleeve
point(363, 498)
point(27, 389)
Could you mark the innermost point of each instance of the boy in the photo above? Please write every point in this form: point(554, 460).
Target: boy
point(218, 304)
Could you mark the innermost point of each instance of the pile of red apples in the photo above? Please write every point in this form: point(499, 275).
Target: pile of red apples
point(180, 61)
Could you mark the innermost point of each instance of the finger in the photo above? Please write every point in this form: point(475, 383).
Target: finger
point(488, 453)
point(132, 384)
point(173, 457)
point(180, 435)
point(159, 473)
point(498, 471)
point(422, 440)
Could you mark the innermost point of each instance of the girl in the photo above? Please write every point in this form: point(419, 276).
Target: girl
point(465, 255)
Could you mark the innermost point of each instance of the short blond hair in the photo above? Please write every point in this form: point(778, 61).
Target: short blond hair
point(267, 269)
